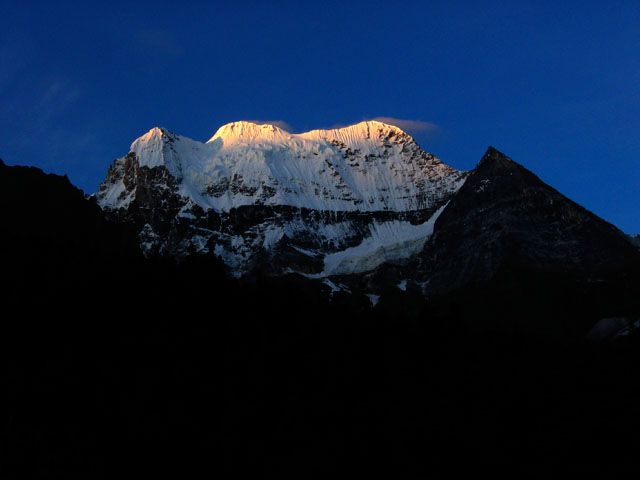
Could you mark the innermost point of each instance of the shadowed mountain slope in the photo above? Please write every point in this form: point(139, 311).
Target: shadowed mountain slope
point(505, 216)
point(117, 361)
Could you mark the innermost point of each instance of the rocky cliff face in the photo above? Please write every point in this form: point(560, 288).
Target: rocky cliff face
point(261, 197)
point(506, 217)
point(362, 205)
point(134, 352)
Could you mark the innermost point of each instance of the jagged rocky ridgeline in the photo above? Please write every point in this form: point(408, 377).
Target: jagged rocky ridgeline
point(321, 202)
point(364, 204)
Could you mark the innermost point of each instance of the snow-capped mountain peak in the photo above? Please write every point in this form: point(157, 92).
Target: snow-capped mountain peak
point(245, 132)
point(155, 135)
point(370, 169)
point(359, 133)
point(150, 147)
point(346, 201)
point(370, 166)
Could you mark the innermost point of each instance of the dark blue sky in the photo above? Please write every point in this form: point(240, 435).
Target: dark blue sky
point(554, 85)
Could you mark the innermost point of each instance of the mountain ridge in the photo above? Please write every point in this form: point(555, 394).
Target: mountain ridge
point(310, 157)
point(324, 190)
point(264, 201)
point(137, 355)
point(506, 214)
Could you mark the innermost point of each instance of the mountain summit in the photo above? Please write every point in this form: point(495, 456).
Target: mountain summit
point(505, 216)
point(361, 204)
point(355, 323)
point(257, 194)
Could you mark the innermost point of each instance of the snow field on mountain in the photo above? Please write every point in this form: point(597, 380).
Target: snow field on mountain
point(354, 195)
point(370, 166)
point(388, 241)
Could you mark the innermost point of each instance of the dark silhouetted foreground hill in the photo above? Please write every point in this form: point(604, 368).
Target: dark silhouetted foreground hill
point(116, 363)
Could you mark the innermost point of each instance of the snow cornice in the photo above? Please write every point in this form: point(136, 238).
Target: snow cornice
point(244, 130)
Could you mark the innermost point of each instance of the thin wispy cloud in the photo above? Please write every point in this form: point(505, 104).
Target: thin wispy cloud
point(54, 103)
point(45, 117)
point(278, 123)
point(16, 52)
point(56, 97)
point(418, 128)
point(414, 127)
point(158, 41)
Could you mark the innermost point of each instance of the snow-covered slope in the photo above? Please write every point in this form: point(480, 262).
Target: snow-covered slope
point(256, 188)
point(388, 241)
point(370, 166)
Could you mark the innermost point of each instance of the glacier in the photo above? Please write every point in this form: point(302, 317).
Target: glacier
point(354, 197)
point(370, 166)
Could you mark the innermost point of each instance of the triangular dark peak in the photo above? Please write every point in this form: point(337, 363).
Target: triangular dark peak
point(497, 175)
point(495, 160)
point(504, 215)
point(494, 155)
point(495, 180)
